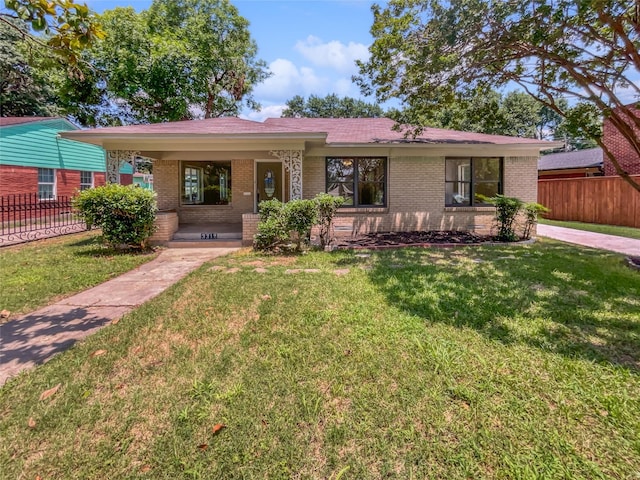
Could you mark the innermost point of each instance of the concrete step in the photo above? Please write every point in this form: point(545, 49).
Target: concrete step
point(207, 235)
point(228, 243)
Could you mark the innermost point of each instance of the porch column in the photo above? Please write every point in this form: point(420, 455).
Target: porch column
point(292, 160)
point(115, 160)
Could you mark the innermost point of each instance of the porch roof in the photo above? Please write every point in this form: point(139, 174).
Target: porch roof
point(355, 132)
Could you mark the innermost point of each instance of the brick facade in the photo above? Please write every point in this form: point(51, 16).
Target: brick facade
point(16, 180)
point(621, 149)
point(416, 196)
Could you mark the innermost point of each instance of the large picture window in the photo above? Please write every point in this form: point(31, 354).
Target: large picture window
point(361, 181)
point(206, 183)
point(46, 184)
point(471, 181)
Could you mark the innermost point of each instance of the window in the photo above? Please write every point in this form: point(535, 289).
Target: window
point(86, 180)
point(361, 181)
point(206, 183)
point(46, 184)
point(470, 181)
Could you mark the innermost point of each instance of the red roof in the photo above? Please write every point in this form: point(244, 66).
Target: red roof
point(380, 130)
point(209, 126)
point(7, 121)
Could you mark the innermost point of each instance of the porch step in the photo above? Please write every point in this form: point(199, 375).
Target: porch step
point(224, 243)
point(207, 235)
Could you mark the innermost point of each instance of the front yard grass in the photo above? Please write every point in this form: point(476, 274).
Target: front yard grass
point(39, 273)
point(492, 362)
point(617, 230)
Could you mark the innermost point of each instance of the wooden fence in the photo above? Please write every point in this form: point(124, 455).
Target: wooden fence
point(604, 200)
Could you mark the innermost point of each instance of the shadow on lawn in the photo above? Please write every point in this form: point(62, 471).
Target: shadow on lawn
point(555, 297)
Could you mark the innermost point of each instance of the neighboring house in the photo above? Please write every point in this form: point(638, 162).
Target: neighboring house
point(216, 171)
point(580, 163)
point(621, 149)
point(35, 160)
point(143, 180)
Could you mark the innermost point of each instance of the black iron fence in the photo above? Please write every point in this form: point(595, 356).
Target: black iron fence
point(25, 217)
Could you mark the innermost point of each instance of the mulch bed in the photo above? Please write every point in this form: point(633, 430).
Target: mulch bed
point(444, 238)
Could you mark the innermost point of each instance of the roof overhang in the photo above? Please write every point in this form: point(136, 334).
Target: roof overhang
point(171, 142)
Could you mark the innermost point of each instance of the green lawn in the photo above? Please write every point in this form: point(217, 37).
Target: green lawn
point(496, 362)
point(628, 232)
point(38, 273)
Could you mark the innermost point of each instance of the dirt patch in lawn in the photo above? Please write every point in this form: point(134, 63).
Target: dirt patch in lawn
point(404, 239)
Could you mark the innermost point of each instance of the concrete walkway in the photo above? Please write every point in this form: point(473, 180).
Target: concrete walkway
point(627, 246)
point(35, 337)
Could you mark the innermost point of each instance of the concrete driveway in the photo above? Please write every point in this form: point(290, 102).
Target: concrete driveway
point(613, 243)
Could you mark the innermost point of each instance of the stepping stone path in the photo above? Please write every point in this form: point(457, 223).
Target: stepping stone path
point(341, 272)
point(363, 255)
point(260, 270)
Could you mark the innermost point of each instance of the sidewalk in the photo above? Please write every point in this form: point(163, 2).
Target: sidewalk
point(35, 337)
point(627, 246)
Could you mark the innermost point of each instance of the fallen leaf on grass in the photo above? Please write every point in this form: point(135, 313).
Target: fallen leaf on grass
point(31, 423)
point(266, 297)
point(203, 446)
point(5, 314)
point(115, 321)
point(47, 393)
point(97, 353)
point(145, 468)
point(217, 427)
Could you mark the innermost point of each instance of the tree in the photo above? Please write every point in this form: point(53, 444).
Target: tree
point(586, 52)
point(331, 106)
point(68, 27)
point(24, 88)
point(180, 59)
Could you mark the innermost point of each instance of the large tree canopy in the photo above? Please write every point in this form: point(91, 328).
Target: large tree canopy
point(331, 106)
point(586, 52)
point(24, 86)
point(180, 59)
point(64, 27)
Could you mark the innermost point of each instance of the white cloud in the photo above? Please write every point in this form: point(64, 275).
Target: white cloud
point(335, 55)
point(288, 80)
point(271, 111)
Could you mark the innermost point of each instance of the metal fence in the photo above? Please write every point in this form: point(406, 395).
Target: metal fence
point(25, 217)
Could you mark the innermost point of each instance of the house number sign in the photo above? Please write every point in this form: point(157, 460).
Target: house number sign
point(208, 236)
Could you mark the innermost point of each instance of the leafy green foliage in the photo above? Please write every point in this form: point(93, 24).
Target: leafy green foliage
point(507, 209)
point(300, 216)
point(330, 106)
point(425, 52)
point(25, 88)
point(272, 228)
point(531, 210)
point(66, 27)
point(126, 214)
point(177, 58)
point(327, 206)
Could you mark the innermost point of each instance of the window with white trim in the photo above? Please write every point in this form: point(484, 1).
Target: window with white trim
point(86, 180)
point(46, 184)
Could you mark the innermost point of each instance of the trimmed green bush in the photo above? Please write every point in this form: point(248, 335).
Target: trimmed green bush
point(125, 214)
point(327, 206)
point(300, 216)
point(507, 209)
point(531, 211)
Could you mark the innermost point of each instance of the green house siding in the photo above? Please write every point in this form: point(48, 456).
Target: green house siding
point(36, 144)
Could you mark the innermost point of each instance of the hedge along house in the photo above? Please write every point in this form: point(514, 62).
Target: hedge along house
point(34, 160)
point(210, 175)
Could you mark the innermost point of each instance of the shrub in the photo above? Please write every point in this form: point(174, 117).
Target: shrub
point(272, 229)
point(327, 206)
point(126, 214)
point(507, 209)
point(531, 212)
point(299, 217)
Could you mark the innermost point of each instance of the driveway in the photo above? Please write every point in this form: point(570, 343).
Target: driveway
point(613, 243)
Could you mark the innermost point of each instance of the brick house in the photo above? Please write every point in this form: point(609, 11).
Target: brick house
point(580, 163)
point(35, 160)
point(621, 149)
point(210, 175)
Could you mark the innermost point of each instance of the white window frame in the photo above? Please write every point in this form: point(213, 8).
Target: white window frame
point(52, 184)
point(84, 185)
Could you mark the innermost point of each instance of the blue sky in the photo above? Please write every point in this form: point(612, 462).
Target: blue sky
point(309, 45)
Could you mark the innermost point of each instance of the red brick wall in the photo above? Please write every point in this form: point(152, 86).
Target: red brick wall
point(621, 149)
point(19, 180)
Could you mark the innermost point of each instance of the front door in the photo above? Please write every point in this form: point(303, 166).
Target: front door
point(269, 181)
